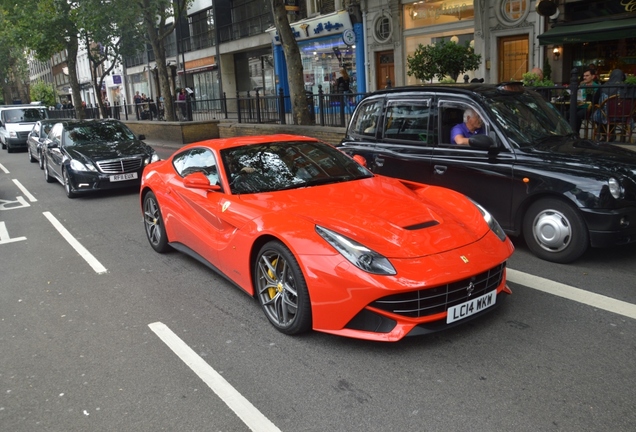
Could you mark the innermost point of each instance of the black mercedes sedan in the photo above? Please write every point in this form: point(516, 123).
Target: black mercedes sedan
point(37, 138)
point(519, 159)
point(90, 155)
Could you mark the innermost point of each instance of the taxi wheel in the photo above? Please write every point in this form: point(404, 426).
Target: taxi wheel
point(281, 289)
point(153, 224)
point(555, 231)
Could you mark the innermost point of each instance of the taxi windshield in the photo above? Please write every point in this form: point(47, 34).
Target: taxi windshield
point(525, 117)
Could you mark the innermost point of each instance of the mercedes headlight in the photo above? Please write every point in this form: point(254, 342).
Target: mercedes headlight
point(357, 254)
point(152, 158)
point(78, 166)
point(492, 222)
point(614, 188)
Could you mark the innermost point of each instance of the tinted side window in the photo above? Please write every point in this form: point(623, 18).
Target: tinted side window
point(451, 114)
point(367, 118)
point(408, 120)
point(197, 160)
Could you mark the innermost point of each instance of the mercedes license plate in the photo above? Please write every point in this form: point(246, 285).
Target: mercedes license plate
point(123, 177)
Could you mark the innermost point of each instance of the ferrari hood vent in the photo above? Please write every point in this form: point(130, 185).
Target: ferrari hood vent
point(422, 225)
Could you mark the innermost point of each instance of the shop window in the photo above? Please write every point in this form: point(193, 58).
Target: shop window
point(512, 12)
point(383, 29)
point(313, 7)
point(437, 12)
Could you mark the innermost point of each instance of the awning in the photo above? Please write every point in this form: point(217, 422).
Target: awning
point(589, 32)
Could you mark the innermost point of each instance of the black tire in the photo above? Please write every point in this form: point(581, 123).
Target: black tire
point(154, 225)
point(281, 289)
point(47, 175)
point(68, 187)
point(4, 146)
point(555, 231)
point(31, 158)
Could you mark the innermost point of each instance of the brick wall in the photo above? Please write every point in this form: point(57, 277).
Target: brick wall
point(331, 135)
point(189, 132)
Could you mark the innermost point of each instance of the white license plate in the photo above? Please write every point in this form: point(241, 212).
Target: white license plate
point(123, 177)
point(471, 307)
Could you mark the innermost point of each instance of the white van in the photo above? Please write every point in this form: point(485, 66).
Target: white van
point(16, 121)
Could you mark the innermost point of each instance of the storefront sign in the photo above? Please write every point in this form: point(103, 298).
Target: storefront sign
point(325, 25)
point(629, 5)
point(116, 79)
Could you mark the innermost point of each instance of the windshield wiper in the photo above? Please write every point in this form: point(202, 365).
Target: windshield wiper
point(326, 180)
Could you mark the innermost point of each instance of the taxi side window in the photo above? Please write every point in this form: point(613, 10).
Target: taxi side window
point(197, 160)
point(408, 120)
point(450, 115)
point(367, 118)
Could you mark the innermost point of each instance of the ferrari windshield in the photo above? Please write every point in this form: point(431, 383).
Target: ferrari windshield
point(525, 117)
point(287, 165)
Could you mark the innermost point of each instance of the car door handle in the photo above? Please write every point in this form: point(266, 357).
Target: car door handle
point(440, 169)
point(379, 161)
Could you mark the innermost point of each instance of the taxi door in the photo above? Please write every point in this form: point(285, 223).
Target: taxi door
point(481, 174)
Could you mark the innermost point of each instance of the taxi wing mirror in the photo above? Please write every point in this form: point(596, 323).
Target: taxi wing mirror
point(483, 142)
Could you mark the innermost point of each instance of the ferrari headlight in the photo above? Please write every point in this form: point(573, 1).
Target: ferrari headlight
point(357, 254)
point(492, 222)
point(78, 166)
point(614, 188)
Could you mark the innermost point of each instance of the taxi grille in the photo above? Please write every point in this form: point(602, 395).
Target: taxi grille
point(23, 135)
point(118, 166)
point(430, 301)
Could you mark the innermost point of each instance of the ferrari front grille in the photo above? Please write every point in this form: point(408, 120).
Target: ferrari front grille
point(117, 166)
point(430, 301)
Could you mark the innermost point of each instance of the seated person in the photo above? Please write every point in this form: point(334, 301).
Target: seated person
point(463, 131)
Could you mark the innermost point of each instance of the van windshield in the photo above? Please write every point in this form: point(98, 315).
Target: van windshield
point(23, 115)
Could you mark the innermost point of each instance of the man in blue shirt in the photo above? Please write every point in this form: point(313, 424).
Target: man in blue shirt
point(472, 126)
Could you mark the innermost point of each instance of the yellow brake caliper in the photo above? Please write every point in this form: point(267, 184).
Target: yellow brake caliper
point(279, 287)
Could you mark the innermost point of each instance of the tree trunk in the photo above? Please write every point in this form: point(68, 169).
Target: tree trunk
point(71, 62)
point(295, 75)
point(156, 35)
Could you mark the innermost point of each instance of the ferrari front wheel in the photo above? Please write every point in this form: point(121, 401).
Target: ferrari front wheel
point(281, 289)
point(153, 223)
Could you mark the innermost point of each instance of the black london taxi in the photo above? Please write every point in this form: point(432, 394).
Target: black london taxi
point(529, 169)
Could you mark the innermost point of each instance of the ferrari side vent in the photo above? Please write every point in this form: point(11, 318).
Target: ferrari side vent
point(430, 301)
point(422, 225)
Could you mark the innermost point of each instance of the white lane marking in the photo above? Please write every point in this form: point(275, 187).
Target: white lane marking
point(558, 289)
point(247, 412)
point(24, 191)
point(84, 253)
point(6, 171)
point(4, 235)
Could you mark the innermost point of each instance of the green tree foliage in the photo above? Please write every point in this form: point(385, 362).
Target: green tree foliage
point(442, 59)
point(43, 92)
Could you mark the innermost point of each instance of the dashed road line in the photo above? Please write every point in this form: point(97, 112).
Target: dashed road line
point(81, 250)
point(569, 292)
point(24, 191)
point(243, 408)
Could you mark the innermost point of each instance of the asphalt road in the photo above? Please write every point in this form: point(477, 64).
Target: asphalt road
point(115, 337)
